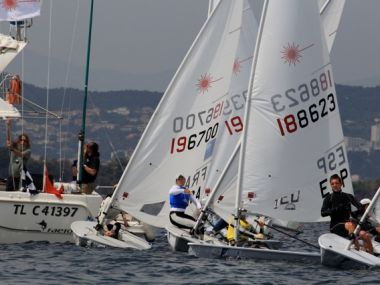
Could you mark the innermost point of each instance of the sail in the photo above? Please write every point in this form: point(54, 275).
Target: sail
point(234, 105)
point(10, 48)
point(222, 201)
point(182, 132)
point(294, 139)
point(7, 110)
point(331, 13)
point(16, 10)
point(234, 102)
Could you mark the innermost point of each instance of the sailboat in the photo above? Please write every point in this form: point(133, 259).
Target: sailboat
point(229, 137)
point(340, 252)
point(182, 132)
point(293, 139)
point(42, 217)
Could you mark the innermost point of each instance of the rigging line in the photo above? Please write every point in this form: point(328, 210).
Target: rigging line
point(47, 89)
point(291, 236)
point(22, 101)
point(108, 137)
point(62, 148)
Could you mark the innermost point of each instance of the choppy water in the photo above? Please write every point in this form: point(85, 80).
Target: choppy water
point(44, 263)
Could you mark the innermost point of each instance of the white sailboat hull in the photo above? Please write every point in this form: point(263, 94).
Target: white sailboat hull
point(43, 217)
point(84, 234)
point(334, 253)
point(223, 251)
point(180, 238)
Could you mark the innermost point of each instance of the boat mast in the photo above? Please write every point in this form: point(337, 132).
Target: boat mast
point(239, 189)
point(82, 133)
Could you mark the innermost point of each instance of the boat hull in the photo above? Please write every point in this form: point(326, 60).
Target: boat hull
point(334, 253)
point(84, 234)
point(43, 217)
point(224, 251)
point(178, 239)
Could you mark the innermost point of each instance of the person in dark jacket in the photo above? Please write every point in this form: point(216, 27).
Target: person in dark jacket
point(337, 205)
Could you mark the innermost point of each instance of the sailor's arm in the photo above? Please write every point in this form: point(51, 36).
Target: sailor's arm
point(327, 209)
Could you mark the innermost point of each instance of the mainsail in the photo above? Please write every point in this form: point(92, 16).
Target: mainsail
point(182, 133)
point(293, 138)
point(223, 200)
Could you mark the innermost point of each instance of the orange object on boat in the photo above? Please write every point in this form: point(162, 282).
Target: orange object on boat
point(13, 95)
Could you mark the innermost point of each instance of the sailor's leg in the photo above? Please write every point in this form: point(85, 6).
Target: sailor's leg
point(182, 220)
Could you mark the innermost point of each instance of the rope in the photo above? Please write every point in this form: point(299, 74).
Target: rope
point(291, 236)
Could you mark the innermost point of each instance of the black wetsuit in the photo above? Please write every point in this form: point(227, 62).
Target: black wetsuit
point(337, 205)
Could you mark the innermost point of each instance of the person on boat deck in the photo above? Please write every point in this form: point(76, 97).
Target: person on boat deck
point(19, 155)
point(365, 228)
point(337, 205)
point(90, 167)
point(246, 230)
point(112, 230)
point(179, 198)
point(370, 224)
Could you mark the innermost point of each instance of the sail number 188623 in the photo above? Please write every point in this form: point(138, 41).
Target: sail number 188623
point(290, 123)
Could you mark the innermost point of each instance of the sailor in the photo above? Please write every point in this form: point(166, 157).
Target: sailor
point(246, 230)
point(179, 197)
point(112, 229)
point(337, 205)
point(370, 224)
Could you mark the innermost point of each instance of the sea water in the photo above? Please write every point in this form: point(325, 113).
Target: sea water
point(45, 263)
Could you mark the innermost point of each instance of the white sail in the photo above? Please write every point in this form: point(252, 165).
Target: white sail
point(181, 134)
point(16, 10)
point(10, 48)
point(294, 139)
point(331, 13)
point(233, 113)
point(7, 110)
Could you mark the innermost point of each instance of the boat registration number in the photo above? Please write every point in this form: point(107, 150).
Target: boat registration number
point(38, 210)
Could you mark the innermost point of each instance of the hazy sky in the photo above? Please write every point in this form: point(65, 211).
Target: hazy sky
point(138, 44)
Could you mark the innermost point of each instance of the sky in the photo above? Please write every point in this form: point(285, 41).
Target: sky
point(138, 44)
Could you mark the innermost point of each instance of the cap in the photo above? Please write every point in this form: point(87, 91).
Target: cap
point(365, 201)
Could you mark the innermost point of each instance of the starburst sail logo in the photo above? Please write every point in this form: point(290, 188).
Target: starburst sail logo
point(205, 83)
point(291, 54)
point(13, 10)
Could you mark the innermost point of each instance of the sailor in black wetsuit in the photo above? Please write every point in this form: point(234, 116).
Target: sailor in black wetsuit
point(337, 205)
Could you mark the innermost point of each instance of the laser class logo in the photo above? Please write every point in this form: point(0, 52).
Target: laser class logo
point(204, 83)
point(13, 4)
point(236, 67)
point(291, 54)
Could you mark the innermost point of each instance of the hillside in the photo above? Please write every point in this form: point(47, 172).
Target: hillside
point(116, 120)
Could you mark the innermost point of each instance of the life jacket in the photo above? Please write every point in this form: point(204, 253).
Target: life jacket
point(180, 201)
point(13, 95)
point(231, 231)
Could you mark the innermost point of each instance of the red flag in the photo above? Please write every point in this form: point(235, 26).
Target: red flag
point(49, 188)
